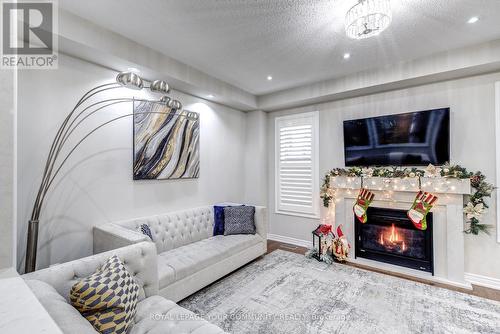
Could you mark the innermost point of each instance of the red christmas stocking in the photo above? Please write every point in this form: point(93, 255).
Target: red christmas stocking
point(421, 206)
point(363, 201)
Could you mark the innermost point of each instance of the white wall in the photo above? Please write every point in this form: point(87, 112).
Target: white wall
point(255, 176)
point(96, 186)
point(6, 168)
point(472, 102)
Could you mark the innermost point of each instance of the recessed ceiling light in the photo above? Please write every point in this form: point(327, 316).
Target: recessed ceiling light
point(473, 19)
point(210, 96)
point(347, 55)
point(269, 78)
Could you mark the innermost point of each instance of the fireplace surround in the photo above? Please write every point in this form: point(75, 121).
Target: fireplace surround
point(447, 215)
point(390, 237)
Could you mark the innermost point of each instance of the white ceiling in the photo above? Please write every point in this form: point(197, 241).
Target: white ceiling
point(296, 41)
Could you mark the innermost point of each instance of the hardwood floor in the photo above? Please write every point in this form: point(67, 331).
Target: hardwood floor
point(476, 290)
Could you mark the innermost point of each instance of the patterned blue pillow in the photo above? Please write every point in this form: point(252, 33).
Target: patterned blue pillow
point(239, 220)
point(219, 216)
point(146, 231)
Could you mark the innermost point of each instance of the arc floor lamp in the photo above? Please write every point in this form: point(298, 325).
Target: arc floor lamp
point(85, 108)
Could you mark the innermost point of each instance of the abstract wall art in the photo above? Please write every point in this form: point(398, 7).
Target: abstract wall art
point(166, 142)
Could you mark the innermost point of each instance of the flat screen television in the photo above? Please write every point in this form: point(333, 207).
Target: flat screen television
point(410, 139)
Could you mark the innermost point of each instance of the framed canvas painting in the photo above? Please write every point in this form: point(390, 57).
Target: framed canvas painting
point(166, 142)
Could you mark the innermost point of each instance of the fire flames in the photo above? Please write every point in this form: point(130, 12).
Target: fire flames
point(392, 240)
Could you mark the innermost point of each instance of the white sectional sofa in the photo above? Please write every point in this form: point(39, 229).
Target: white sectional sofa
point(155, 314)
point(189, 257)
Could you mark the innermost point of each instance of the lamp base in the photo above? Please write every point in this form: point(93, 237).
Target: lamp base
point(31, 246)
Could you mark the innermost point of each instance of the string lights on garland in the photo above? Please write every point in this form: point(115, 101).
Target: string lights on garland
point(473, 209)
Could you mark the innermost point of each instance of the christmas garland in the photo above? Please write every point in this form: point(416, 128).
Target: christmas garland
point(474, 209)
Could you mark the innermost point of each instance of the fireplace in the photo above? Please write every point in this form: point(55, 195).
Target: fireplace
point(389, 236)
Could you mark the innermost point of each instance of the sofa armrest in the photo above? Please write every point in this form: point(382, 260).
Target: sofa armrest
point(112, 236)
point(139, 259)
point(261, 221)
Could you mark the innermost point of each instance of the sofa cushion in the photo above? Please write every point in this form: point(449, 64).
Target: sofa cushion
point(159, 315)
point(239, 220)
point(166, 274)
point(66, 316)
point(108, 298)
point(186, 260)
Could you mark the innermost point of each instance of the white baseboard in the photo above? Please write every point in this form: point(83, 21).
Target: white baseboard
point(488, 282)
point(288, 240)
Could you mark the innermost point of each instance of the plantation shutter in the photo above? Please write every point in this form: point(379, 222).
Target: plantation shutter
point(297, 164)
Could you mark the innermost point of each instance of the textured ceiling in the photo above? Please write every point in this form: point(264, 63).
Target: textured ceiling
point(295, 41)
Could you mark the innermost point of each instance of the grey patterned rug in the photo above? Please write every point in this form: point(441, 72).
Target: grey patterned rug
point(288, 293)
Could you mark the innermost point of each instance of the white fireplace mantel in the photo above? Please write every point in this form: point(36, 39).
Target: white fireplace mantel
point(448, 219)
point(437, 185)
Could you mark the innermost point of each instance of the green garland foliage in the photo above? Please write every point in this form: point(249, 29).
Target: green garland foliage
point(473, 209)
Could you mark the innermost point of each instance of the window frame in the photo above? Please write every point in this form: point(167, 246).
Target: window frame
point(314, 165)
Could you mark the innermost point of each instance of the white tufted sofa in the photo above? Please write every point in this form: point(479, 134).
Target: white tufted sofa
point(189, 257)
point(155, 314)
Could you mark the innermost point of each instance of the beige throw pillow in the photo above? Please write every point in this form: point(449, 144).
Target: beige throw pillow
point(108, 298)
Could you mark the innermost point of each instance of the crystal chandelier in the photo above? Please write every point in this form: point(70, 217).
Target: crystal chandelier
point(368, 18)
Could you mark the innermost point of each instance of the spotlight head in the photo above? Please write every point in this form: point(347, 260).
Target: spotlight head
point(159, 86)
point(165, 99)
point(174, 104)
point(130, 80)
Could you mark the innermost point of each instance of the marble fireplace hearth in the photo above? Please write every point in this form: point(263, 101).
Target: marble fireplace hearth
point(448, 220)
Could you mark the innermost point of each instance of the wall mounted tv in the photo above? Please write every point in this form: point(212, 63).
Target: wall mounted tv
point(410, 139)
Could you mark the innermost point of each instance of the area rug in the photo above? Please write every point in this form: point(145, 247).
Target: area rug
point(287, 293)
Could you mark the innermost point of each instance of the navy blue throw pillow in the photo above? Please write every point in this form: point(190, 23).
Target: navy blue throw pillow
point(218, 220)
point(146, 231)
